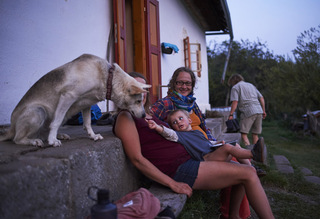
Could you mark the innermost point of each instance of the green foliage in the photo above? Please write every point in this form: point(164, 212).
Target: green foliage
point(290, 87)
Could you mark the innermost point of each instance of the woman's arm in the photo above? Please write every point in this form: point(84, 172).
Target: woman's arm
point(126, 130)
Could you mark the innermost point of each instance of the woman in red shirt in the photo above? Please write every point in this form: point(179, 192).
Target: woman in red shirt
point(170, 165)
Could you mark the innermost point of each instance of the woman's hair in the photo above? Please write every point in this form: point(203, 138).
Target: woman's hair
point(234, 79)
point(176, 73)
point(147, 105)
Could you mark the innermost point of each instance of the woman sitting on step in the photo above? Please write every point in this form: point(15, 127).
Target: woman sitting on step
point(169, 164)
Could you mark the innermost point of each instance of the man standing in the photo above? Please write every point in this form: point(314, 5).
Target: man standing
point(251, 105)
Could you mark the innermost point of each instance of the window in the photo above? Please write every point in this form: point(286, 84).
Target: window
point(192, 56)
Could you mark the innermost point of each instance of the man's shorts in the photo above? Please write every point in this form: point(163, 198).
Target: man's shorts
point(253, 122)
point(187, 172)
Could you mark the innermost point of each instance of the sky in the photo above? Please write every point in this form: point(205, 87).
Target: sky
point(276, 23)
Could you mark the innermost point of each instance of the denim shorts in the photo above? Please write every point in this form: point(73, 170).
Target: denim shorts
point(187, 172)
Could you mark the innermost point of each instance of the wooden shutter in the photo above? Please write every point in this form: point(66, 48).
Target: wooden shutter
point(120, 33)
point(153, 47)
point(187, 59)
point(192, 56)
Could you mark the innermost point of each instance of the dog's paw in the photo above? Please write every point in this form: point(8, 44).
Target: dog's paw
point(63, 136)
point(55, 143)
point(37, 142)
point(97, 137)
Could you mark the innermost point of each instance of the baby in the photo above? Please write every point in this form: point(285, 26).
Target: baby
point(199, 147)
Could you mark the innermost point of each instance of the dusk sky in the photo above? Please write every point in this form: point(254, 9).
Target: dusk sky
point(277, 23)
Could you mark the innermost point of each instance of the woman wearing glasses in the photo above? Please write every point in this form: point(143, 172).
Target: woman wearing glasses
point(169, 164)
point(180, 96)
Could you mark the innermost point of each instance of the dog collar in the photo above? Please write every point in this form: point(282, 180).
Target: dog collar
point(109, 83)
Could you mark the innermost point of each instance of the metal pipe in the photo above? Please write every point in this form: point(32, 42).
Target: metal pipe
point(226, 63)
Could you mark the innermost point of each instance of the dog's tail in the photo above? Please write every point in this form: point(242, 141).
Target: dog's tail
point(6, 135)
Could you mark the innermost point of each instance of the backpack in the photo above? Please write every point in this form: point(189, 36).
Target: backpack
point(139, 204)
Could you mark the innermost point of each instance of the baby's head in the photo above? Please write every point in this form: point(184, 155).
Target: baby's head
point(179, 120)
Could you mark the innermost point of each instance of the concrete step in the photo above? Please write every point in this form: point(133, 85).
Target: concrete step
point(53, 182)
point(283, 164)
point(218, 130)
point(227, 137)
point(214, 124)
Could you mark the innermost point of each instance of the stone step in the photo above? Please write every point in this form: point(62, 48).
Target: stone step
point(218, 130)
point(53, 182)
point(36, 182)
point(214, 124)
point(283, 164)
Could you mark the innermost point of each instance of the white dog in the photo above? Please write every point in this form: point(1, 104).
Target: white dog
point(67, 90)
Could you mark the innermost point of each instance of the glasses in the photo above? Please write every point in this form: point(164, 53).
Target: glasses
point(181, 83)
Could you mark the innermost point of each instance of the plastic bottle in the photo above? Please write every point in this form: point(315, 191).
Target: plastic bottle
point(103, 209)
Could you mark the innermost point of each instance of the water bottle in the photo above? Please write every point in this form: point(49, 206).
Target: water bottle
point(103, 209)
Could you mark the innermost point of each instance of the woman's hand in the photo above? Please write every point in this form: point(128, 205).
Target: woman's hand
point(181, 188)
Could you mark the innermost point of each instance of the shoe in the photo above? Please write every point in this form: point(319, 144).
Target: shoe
point(260, 172)
point(259, 151)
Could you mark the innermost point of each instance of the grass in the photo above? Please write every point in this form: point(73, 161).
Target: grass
point(290, 195)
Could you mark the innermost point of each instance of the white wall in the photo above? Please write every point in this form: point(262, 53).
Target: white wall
point(175, 25)
point(37, 36)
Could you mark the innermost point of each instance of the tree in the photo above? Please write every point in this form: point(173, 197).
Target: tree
point(289, 87)
point(307, 56)
point(251, 60)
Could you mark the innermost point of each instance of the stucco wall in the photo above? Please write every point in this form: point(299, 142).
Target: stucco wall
point(37, 36)
point(175, 25)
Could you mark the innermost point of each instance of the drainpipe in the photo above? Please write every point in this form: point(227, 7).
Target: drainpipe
point(228, 19)
point(227, 61)
point(229, 31)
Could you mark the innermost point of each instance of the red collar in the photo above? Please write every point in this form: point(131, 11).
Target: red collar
point(109, 83)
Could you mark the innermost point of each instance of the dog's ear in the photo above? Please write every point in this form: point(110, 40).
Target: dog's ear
point(138, 88)
point(144, 86)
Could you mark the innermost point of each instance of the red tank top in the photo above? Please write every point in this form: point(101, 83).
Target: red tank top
point(166, 155)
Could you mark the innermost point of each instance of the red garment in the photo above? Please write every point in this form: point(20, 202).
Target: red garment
point(244, 211)
point(166, 155)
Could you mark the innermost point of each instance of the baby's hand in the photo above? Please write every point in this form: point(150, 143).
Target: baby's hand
point(152, 124)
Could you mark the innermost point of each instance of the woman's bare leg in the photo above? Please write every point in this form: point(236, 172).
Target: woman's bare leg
point(215, 175)
point(236, 196)
point(223, 154)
